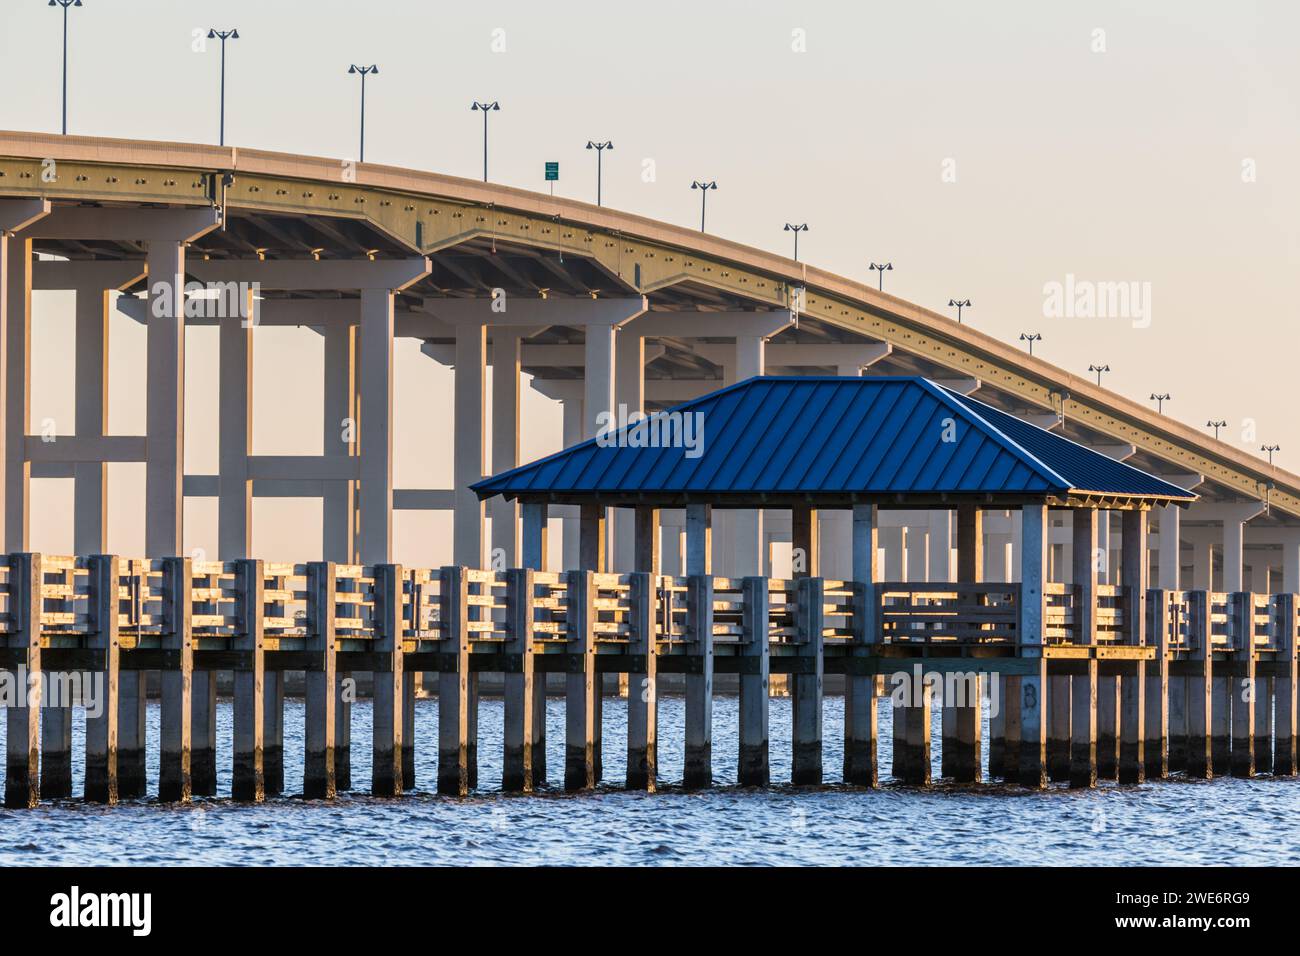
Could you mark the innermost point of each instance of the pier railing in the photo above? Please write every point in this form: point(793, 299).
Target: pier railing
point(186, 618)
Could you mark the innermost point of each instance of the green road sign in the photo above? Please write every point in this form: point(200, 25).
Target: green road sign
point(552, 172)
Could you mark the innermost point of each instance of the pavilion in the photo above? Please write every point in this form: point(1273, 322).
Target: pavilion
point(869, 443)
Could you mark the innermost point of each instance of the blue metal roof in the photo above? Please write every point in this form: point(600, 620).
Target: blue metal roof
point(834, 436)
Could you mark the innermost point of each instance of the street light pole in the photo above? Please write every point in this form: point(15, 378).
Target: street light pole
point(1216, 424)
point(882, 268)
point(791, 227)
point(65, 4)
point(1098, 369)
point(960, 304)
point(223, 36)
point(600, 150)
point(704, 196)
point(1270, 449)
point(364, 71)
point(1031, 338)
point(1160, 400)
point(485, 108)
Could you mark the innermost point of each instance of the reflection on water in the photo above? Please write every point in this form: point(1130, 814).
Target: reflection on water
point(1224, 822)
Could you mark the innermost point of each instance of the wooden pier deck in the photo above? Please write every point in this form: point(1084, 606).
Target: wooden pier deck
point(1190, 681)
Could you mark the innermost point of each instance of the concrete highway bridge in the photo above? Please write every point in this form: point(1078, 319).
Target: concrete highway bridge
point(602, 310)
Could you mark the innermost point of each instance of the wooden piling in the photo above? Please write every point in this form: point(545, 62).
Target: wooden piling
point(1155, 747)
point(248, 779)
point(1200, 688)
point(753, 768)
point(1177, 737)
point(101, 784)
point(807, 685)
point(410, 680)
point(1133, 576)
point(174, 783)
point(319, 777)
point(1011, 727)
point(1263, 730)
point(131, 781)
point(580, 684)
point(912, 733)
point(453, 686)
point(642, 689)
point(1108, 736)
point(273, 732)
point(997, 726)
point(1033, 716)
point(1285, 622)
point(23, 722)
point(1244, 689)
point(386, 773)
point(1058, 728)
point(698, 771)
point(861, 722)
point(343, 701)
point(534, 542)
point(56, 748)
point(517, 767)
point(964, 712)
point(1223, 693)
point(539, 730)
point(203, 733)
point(1083, 687)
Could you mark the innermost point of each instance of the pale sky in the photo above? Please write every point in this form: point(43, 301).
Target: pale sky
point(1169, 158)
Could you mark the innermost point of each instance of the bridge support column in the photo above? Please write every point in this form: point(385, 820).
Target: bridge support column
point(18, 345)
point(338, 517)
point(861, 723)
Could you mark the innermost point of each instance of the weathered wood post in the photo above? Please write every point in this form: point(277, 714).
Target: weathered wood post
point(453, 685)
point(319, 780)
point(1059, 718)
point(56, 721)
point(642, 684)
point(861, 723)
point(1263, 702)
point(1108, 708)
point(534, 542)
point(1033, 574)
point(755, 675)
point(965, 713)
point(23, 721)
point(1286, 621)
point(592, 539)
point(248, 781)
point(1156, 717)
point(203, 733)
point(1010, 708)
point(1133, 572)
point(1200, 687)
point(174, 783)
point(698, 771)
point(1083, 690)
point(273, 732)
point(343, 700)
point(806, 688)
point(1241, 610)
point(517, 769)
point(101, 728)
point(386, 775)
point(580, 683)
point(643, 676)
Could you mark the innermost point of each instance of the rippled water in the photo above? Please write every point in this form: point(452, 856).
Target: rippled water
point(1174, 822)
